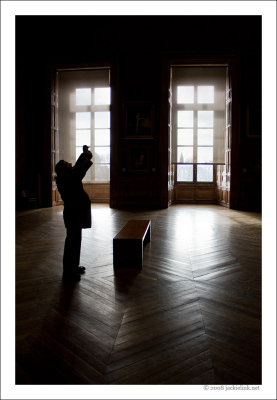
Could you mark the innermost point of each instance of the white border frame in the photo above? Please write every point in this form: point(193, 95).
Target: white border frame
point(9, 9)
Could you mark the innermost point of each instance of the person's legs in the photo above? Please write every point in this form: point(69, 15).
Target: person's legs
point(72, 250)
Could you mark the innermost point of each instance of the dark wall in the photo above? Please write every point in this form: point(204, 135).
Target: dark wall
point(138, 48)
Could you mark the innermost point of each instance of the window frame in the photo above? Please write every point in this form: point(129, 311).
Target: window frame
point(194, 107)
point(92, 109)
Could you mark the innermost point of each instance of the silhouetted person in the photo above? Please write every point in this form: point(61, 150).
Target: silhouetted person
point(77, 210)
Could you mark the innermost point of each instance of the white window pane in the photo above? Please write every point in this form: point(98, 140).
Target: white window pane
point(185, 137)
point(102, 137)
point(83, 137)
point(205, 154)
point(79, 150)
point(102, 154)
point(205, 94)
point(184, 154)
point(184, 173)
point(185, 119)
point(83, 97)
point(205, 137)
point(185, 94)
point(204, 173)
point(83, 120)
point(87, 177)
point(102, 172)
point(205, 119)
point(102, 119)
point(102, 96)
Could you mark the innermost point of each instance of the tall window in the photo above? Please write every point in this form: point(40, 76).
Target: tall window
point(84, 119)
point(198, 116)
point(93, 128)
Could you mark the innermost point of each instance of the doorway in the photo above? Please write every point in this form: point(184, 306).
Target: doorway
point(81, 101)
point(200, 105)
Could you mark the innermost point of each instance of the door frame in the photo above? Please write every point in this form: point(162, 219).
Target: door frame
point(56, 198)
point(232, 62)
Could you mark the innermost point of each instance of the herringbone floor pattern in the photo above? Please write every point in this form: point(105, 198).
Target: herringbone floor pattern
point(192, 315)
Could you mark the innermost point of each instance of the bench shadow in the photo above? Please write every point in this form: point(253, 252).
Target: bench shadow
point(124, 278)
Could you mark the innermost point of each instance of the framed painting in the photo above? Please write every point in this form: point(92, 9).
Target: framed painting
point(139, 159)
point(139, 119)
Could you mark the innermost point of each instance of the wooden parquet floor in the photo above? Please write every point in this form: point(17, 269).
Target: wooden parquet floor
point(191, 316)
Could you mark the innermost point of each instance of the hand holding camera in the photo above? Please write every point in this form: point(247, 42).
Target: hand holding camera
point(87, 152)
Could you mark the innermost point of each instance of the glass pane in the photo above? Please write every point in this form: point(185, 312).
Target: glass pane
point(205, 154)
point(82, 120)
point(184, 154)
point(204, 173)
point(205, 94)
point(185, 94)
point(79, 150)
point(83, 137)
point(185, 119)
point(102, 137)
point(185, 137)
point(205, 119)
point(102, 154)
point(87, 177)
point(102, 96)
point(102, 172)
point(184, 173)
point(102, 119)
point(205, 137)
point(83, 97)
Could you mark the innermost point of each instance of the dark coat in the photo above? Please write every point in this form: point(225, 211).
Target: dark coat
point(77, 205)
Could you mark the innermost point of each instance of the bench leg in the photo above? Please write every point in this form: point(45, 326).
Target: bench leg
point(148, 235)
point(128, 253)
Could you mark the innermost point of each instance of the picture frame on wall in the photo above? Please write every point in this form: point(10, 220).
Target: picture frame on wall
point(139, 120)
point(139, 159)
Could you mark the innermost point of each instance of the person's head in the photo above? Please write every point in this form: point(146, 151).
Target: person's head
point(62, 167)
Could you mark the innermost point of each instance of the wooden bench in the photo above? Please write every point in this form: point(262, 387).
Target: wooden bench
point(128, 244)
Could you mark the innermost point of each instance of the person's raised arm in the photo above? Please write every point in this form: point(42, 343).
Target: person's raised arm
point(83, 163)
